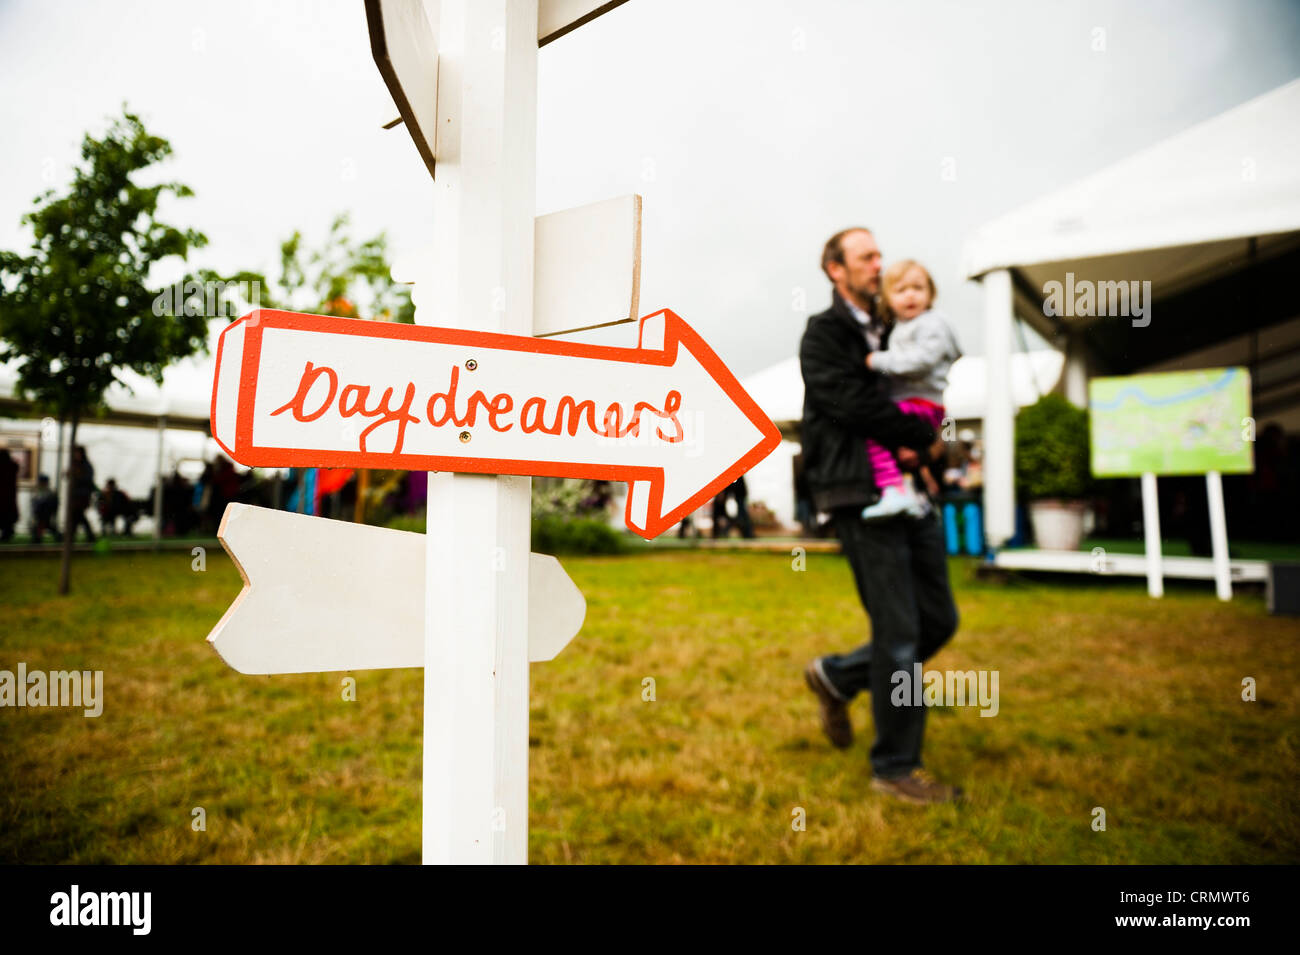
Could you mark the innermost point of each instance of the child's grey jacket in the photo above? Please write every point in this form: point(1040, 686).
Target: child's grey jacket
point(919, 356)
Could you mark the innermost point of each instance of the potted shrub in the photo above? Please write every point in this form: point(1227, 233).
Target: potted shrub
point(1052, 469)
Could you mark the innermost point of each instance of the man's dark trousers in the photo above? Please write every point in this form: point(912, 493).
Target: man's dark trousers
point(901, 571)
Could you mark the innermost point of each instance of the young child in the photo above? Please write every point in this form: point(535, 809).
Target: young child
point(920, 353)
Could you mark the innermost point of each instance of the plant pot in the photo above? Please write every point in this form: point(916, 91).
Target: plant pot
point(1058, 525)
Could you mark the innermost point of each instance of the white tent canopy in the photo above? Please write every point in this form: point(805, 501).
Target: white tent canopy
point(175, 414)
point(1202, 206)
point(778, 390)
point(1215, 185)
point(184, 397)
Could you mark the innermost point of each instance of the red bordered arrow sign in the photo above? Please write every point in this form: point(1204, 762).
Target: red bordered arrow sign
point(667, 416)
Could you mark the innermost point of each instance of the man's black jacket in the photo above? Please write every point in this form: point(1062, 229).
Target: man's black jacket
point(844, 403)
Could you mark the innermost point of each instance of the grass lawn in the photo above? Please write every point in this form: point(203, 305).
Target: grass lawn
point(1107, 699)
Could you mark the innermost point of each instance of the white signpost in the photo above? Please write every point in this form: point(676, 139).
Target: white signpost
point(471, 388)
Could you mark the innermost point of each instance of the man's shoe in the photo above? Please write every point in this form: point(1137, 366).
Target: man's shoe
point(917, 787)
point(835, 712)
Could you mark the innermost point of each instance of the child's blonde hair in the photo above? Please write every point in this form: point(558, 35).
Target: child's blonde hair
point(890, 279)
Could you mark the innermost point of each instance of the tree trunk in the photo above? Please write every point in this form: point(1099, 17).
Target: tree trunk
point(69, 520)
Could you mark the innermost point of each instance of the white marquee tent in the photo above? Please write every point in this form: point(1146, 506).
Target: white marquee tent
point(1211, 217)
point(148, 428)
point(778, 390)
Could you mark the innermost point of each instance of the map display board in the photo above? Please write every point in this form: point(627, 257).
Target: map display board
point(1182, 422)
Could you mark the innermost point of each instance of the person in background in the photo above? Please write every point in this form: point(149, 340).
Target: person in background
point(8, 495)
point(81, 488)
point(921, 352)
point(804, 512)
point(899, 564)
point(1268, 484)
point(200, 499)
point(45, 507)
point(178, 507)
point(225, 488)
point(114, 504)
point(955, 464)
point(722, 518)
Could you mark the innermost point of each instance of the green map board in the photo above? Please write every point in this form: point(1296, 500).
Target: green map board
point(1181, 422)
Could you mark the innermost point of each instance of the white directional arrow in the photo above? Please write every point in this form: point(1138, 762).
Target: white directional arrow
point(299, 612)
point(555, 18)
point(666, 416)
point(404, 42)
point(405, 46)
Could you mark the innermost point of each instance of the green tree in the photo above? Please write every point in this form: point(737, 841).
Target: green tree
point(79, 309)
point(342, 277)
point(348, 279)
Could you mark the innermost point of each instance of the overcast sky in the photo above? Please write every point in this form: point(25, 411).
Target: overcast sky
point(752, 129)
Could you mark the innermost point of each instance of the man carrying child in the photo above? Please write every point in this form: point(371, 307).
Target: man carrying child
point(897, 557)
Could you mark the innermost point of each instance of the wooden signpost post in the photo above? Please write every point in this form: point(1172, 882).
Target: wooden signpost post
point(475, 394)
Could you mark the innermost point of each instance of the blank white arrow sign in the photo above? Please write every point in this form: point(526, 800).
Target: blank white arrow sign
point(586, 270)
point(322, 595)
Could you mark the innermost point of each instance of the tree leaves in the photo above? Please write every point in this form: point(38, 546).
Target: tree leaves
point(79, 308)
point(342, 277)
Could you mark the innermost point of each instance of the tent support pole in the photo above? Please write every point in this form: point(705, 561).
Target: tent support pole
point(60, 485)
point(58, 467)
point(158, 485)
point(999, 412)
point(1151, 531)
point(1075, 373)
point(1219, 535)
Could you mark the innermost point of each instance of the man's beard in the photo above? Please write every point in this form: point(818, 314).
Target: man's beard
point(867, 292)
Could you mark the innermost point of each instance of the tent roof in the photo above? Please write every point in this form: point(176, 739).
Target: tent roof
point(184, 397)
point(1228, 179)
point(778, 389)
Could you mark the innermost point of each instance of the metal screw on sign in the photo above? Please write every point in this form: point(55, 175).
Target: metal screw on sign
point(471, 364)
point(464, 437)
